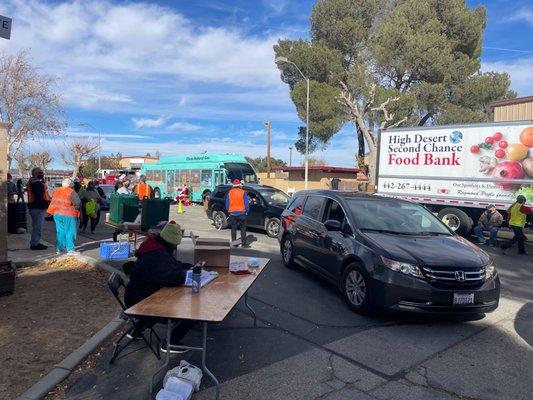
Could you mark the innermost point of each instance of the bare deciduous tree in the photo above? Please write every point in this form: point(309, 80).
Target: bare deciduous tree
point(29, 103)
point(40, 159)
point(77, 152)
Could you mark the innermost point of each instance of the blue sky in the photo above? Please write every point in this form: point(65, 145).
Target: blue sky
point(187, 76)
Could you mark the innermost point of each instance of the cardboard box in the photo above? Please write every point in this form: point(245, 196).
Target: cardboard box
point(215, 252)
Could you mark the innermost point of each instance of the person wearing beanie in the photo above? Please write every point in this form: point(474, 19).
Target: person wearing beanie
point(65, 206)
point(237, 205)
point(154, 269)
point(38, 201)
point(517, 216)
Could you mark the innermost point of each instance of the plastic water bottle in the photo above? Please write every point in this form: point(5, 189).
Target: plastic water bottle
point(196, 279)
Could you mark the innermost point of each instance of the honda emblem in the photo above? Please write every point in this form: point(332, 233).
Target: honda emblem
point(460, 276)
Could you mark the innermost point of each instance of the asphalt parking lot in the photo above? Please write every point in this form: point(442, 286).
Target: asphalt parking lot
point(308, 345)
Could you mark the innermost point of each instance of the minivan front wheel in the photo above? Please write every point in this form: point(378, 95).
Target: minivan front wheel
point(356, 289)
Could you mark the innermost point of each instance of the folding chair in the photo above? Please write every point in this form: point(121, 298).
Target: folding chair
point(116, 283)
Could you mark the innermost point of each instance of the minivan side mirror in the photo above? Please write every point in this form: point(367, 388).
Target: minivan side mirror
point(333, 225)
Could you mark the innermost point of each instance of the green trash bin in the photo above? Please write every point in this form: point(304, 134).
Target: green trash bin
point(123, 208)
point(153, 212)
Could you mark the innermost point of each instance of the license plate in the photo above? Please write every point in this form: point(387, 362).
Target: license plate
point(460, 299)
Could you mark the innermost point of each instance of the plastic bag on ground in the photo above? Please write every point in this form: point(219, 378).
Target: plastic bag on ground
point(164, 394)
point(179, 386)
point(188, 372)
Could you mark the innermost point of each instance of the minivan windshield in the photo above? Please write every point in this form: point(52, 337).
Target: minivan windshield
point(390, 216)
point(274, 196)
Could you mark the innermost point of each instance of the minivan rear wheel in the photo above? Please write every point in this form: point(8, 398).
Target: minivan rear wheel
point(356, 289)
point(272, 226)
point(287, 253)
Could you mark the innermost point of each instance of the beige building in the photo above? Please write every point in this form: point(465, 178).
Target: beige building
point(136, 162)
point(518, 109)
point(292, 179)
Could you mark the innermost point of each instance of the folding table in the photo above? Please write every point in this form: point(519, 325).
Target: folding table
point(211, 305)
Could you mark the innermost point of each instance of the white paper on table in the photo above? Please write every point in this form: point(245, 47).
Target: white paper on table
point(207, 276)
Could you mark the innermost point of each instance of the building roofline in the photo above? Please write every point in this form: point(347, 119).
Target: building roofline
point(508, 102)
point(321, 168)
point(150, 157)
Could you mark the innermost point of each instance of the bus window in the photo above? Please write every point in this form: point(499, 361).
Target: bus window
point(195, 180)
point(149, 175)
point(206, 177)
point(158, 175)
point(170, 182)
point(240, 171)
point(185, 177)
point(219, 177)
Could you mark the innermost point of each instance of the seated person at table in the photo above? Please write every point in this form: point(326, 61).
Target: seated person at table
point(491, 220)
point(156, 268)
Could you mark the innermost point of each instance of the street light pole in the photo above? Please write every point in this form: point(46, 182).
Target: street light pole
point(306, 156)
point(290, 156)
point(307, 137)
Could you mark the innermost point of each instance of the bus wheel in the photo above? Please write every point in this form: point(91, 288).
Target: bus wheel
point(457, 220)
point(157, 193)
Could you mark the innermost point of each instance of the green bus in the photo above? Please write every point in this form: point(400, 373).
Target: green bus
point(202, 173)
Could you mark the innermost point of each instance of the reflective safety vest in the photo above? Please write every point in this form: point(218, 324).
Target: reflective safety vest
point(31, 195)
point(236, 200)
point(61, 203)
point(517, 217)
point(143, 190)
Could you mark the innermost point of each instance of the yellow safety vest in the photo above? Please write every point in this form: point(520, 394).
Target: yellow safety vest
point(518, 218)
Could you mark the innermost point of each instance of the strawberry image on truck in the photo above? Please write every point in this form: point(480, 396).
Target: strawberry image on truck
point(457, 170)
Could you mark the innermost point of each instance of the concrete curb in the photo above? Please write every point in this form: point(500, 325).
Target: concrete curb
point(63, 369)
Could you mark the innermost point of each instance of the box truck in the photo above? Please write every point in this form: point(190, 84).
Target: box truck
point(457, 170)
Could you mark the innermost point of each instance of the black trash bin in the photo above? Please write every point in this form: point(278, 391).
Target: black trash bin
point(16, 217)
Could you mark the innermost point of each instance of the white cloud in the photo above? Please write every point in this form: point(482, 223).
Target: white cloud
point(183, 126)
point(148, 123)
point(520, 71)
point(278, 6)
point(523, 14)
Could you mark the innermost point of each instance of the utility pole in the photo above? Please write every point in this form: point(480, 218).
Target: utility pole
point(290, 156)
point(267, 125)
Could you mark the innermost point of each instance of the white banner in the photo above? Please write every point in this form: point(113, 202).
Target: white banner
point(484, 162)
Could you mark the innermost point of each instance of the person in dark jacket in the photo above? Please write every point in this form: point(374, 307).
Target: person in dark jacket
point(38, 201)
point(156, 268)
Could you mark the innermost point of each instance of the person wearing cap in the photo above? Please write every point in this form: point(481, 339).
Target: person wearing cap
point(490, 221)
point(65, 206)
point(154, 269)
point(142, 189)
point(11, 189)
point(125, 188)
point(237, 205)
point(517, 215)
point(38, 201)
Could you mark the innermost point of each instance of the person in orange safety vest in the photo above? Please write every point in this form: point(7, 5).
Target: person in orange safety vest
point(142, 189)
point(237, 205)
point(65, 206)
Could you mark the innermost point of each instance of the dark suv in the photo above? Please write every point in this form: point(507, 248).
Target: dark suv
point(387, 253)
point(266, 205)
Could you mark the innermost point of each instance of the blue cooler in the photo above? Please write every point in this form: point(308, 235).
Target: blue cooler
point(115, 250)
